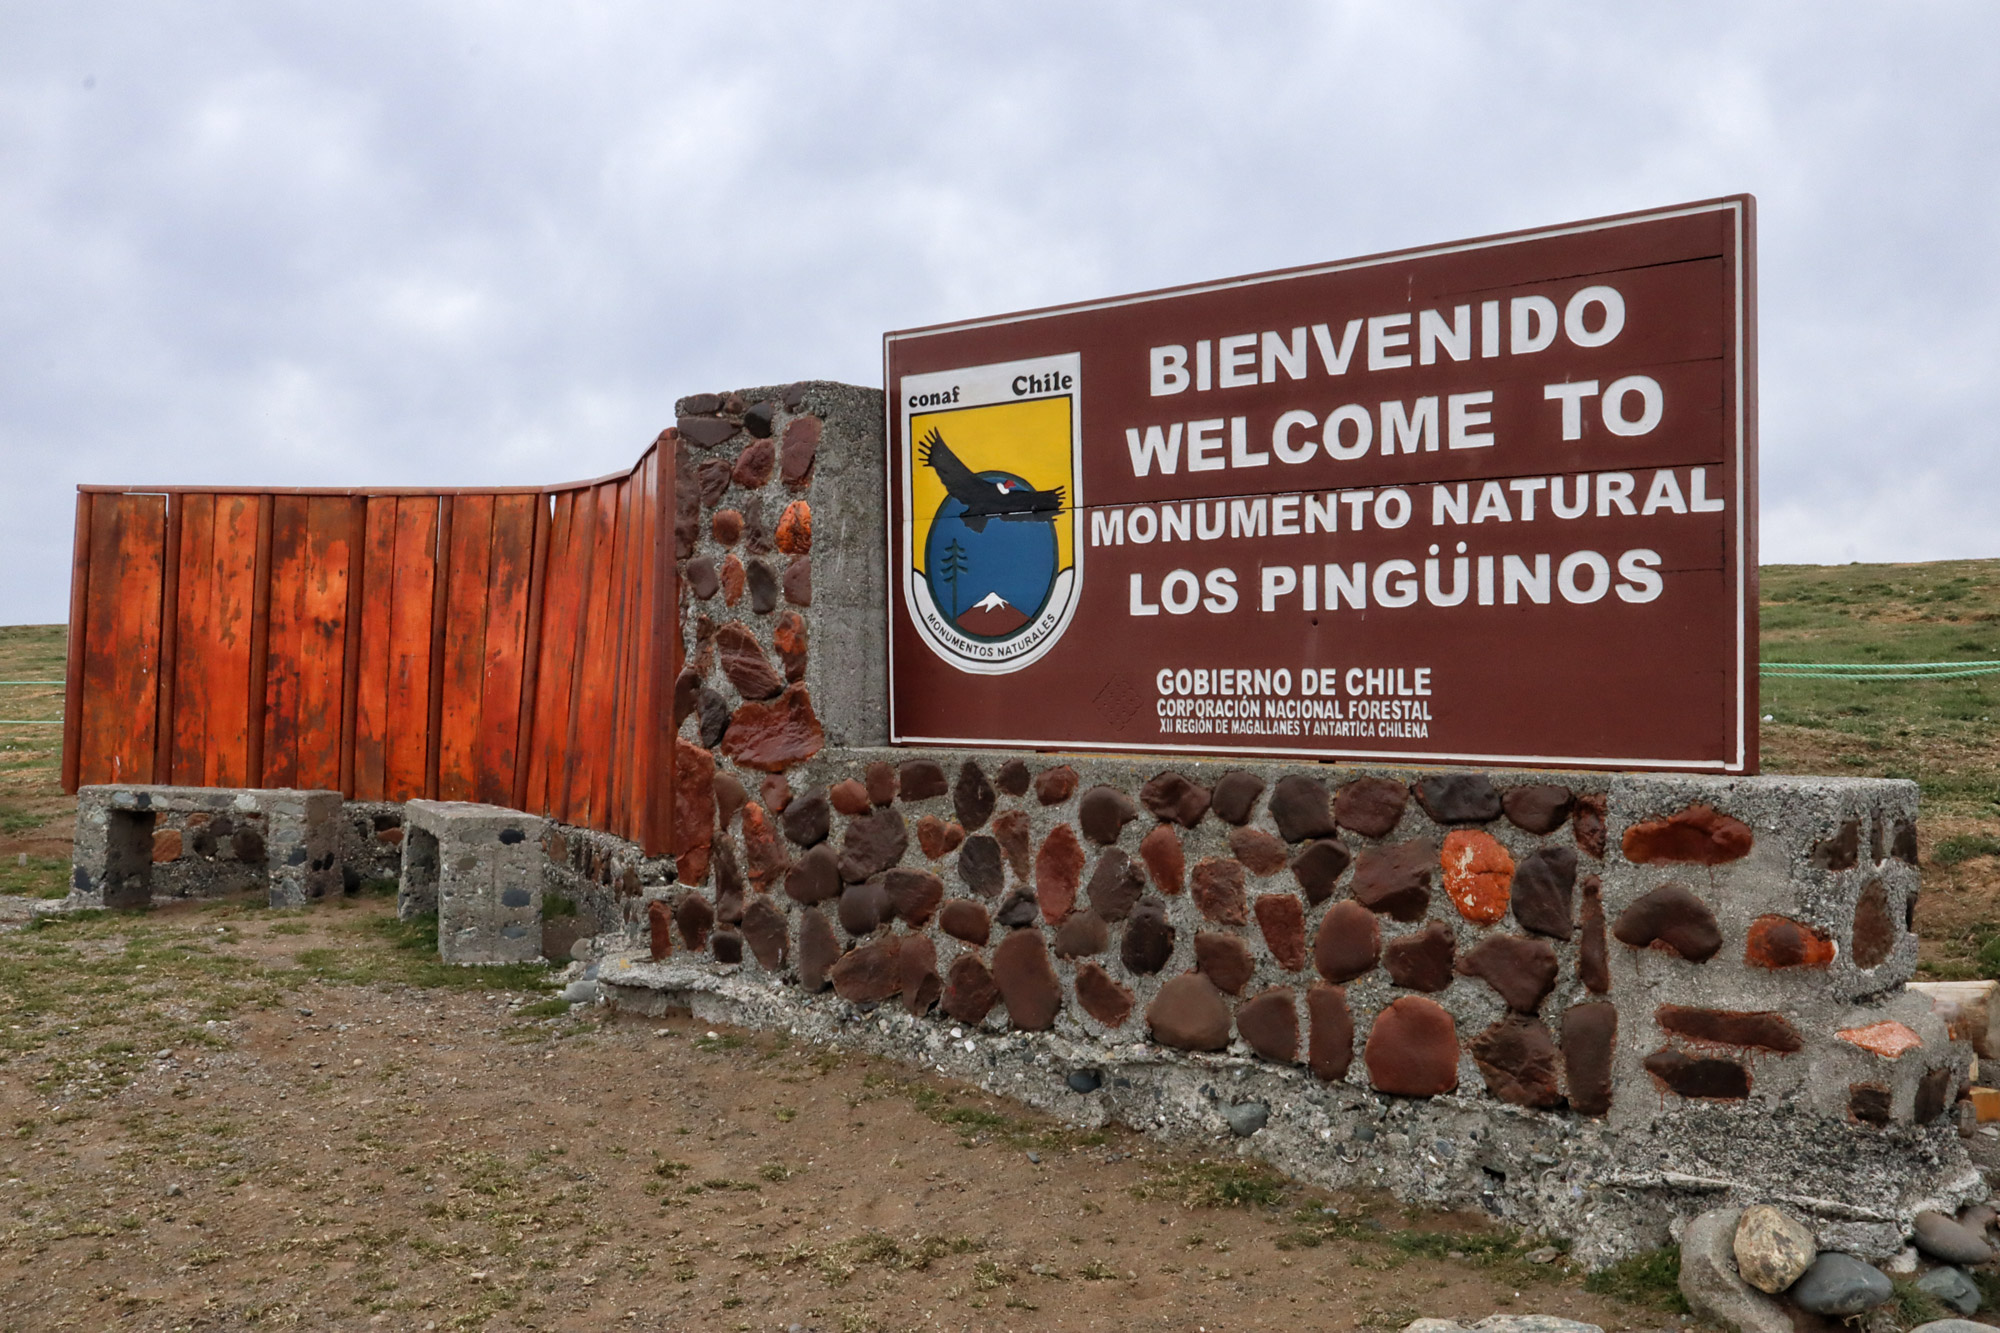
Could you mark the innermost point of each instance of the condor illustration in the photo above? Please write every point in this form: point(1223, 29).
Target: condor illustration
point(991, 556)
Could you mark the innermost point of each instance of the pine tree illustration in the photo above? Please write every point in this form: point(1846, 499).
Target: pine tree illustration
point(954, 564)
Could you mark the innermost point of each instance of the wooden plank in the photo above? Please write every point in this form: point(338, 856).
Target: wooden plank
point(639, 632)
point(406, 731)
point(584, 763)
point(556, 657)
point(618, 746)
point(661, 838)
point(227, 667)
point(531, 656)
point(321, 637)
point(440, 620)
point(192, 611)
point(350, 649)
point(509, 574)
point(469, 554)
point(568, 797)
point(260, 646)
point(285, 641)
point(73, 643)
point(371, 696)
point(121, 695)
point(170, 620)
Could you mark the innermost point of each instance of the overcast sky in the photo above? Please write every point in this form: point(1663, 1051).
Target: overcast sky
point(459, 244)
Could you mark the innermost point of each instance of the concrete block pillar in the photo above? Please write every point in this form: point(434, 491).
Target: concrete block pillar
point(482, 867)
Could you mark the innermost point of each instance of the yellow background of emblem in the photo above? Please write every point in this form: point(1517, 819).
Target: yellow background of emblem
point(1030, 439)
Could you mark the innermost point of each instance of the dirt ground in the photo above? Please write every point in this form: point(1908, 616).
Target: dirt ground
point(220, 1117)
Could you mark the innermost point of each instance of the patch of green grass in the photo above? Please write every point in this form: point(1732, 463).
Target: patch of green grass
point(556, 904)
point(1207, 1184)
point(718, 1041)
point(1913, 1305)
point(1652, 1279)
point(40, 877)
point(553, 1007)
point(410, 958)
point(1964, 847)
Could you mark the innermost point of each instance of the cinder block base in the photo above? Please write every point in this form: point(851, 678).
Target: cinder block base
point(479, 867)
point(138, 842)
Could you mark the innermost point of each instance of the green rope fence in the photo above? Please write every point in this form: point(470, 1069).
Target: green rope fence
point(1879, 670)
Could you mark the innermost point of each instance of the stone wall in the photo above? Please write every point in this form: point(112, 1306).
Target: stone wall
point(138, 842)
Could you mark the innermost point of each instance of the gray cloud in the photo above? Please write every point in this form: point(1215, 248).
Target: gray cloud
point(472, 243)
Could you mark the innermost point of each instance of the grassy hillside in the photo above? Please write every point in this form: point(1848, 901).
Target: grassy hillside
point(1939, 732)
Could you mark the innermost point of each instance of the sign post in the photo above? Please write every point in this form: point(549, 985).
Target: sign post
point(1487, 502)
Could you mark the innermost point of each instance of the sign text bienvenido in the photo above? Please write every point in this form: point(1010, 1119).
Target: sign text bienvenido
point(1488, 502)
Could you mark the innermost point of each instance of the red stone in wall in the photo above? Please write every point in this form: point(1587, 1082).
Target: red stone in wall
point(870, 973)
point(1779, 942)
point(1478, 874)
point(1101, 997)
point(694, 809)
point(1282, 919)
point(660, 928)
point(1522, 971)
point(1412, 1049)
point(795, 528)
point(1058, 871)
point(1269, 1024)
point(1218, 891)
point(1330, 1043)
point(1223, 959)
point(1589, 1040)
point(1053, 786)
point(1670, 917)
point(1757, 1030)
point(1518, 1059)
point(1017, 840)
point(1348, 942)
point(1258, 850)
point(937, 837)
point(1027, 981)
point(1189, 1014)
point(969, 992)
point(1697, 834)
point(774, 736)
point(1174, 798)
point(1165, 861)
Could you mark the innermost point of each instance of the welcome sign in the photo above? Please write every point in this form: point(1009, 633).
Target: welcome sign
point(1488, 502)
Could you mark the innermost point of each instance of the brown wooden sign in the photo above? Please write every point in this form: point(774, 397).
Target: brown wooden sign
point(1487, 502)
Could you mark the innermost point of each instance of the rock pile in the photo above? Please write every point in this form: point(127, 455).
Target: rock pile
point(1744, 1268)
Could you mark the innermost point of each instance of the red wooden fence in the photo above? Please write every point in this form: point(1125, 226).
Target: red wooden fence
point(513, 646)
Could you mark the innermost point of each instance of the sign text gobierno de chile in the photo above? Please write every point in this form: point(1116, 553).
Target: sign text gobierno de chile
point(1487, 502)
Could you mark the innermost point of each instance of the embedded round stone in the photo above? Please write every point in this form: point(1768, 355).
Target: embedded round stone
point(764, 928)
point(1017, 839)
point(1223, 959)
point(819, 949)
point(776, 793)
point(713, 710)
point(1330, 1040)
point(1773, 1250)
point(1218, 891)
point(1421, 961)
point(1101, 997)
point(1027, 981)
point(870, 973)
point(1589, 1040)
point(1778, 942)
point(788, 636)
point(979, 866)
point(727, 946)
point(763, 854)
point(1670, 917)
point(1593, 967)
point(730, 799)
point(763, 588)
point(732, 577)
point(795, 528)
point(1459, 798)
point(1874, 929)
point(795, 457)
point(1544, 886)
point(1149, 939)
point(695, 918)
point(815, 878)
point(705, 431)
point(1396, 880)
point(743, 661)
point(773, 736)
point(1189, 1014)
point(863, 907)
point(694, 810)
point(963, 919)
point(1841, 1286)
point(798, 581)
point(1013, 778)
point(1174, 798)
point(753, 465)
point(850, 797)
point(1842, 851)
point(1762, 1029)
point(913, 895)
point(1055, 785)
point(713, 478)
point(1282, 919)
point(972, 796)
point(938, 838)
point(1258, 850)
point(1018, 910)
point(701, 578)
point(1698, 834)
point(1319, 866)
point(919, 780)
point(1236, 796)
point(1301, 808)
point(1115, 886)
point(1705, 1078)
point(1587, 824)
point(1165, 861)
point(1537, 807)
point(1058, 871)
point(1412, 1049)
point(872, 843)
point(916, 967)
point(1517, 1057)
point(1268, 1022)
point(1522, 971)
point(1370, 806)
point(659, 929)
point(726, 527)
point(1104, 812)
point(1478, 874)
point(1348, 942)
point(1888, 1038)
point(969, 992)
point(1082, 935)
point(1943, 1238)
